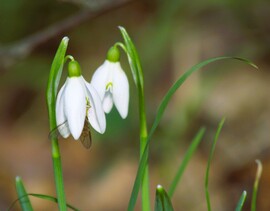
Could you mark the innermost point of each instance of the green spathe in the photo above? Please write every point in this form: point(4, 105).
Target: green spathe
point(163, 201)
point(113, 54)
point(74, 69)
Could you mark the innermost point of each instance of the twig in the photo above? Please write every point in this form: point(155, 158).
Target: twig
point(22, 48)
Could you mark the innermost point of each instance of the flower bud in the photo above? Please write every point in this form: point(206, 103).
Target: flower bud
point(74, 69)
point(113, 54)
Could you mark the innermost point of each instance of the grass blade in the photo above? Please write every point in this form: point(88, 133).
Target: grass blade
point(22, 195)
point(41, 196)
point(193, 146)
point(137, 73)
point(241, 201)
point(51, 198)
point(163, 201)
point(209, 162)
point(133, 59)
point(53, 82)
point(54, 78)
point(160, 112)
point(256, 185)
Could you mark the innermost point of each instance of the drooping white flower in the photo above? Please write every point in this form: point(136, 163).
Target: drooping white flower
point(76, 101)
point(112, 85)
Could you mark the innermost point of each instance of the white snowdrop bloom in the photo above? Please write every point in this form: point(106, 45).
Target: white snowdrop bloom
point(111, 83)
point(76, 102)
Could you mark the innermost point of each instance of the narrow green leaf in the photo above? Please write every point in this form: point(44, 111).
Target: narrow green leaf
point(256, 185)
point(163, 201)
point(193, 146)
point(51, 198)
point(209, 162)
point(41, 196)
point(137, 73)
point(160, 111)
point(22, 195)
point(53, 82)
point(241, 201)
point(133, 58)
point(54, 78)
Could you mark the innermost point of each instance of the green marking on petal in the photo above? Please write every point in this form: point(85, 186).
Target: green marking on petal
point(110, 84)
point(88, 105)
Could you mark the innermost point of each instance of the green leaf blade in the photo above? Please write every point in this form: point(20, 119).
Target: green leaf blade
point(53, 82)
point(192, 148)
point(162, 201)
point(40, 196)
point(241, 201)
point(256, 185)
point(137, 73)
point(160, 112)
point(22, 195)
point(133, 59)
point(54, 78)
point(221, 123)
point(52, 199)
point(185, 76)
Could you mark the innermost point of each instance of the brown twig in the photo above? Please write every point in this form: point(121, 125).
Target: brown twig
point(22, 48)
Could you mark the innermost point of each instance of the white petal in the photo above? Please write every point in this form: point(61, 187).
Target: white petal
point(75, 105)
point(95, 114)
point(107, 102)
point(60, 116)
point(64, 129)
point(100, 78)
point(120, 91)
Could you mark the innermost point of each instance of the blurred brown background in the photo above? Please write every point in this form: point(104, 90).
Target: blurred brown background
point(170, 36)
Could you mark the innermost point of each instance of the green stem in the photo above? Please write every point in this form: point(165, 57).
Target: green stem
point(58, 175)
point(143, 141)
point(56, 157)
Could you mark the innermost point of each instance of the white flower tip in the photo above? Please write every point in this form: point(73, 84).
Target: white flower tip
point(123, 114)
point(64, 131)
point(99, 128)
point(102, 130)
point(76, 136)
point(76, 131)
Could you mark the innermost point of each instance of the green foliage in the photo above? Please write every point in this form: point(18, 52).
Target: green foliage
point(137, 73)
point(192, 148)
point(53, 82)
point(209, 162)
point(256, 185)
point(160, 112)
point(51, 198)
point(163, 201)
point(241, 201)
point(22, 195)
point(54, 78)
point(133, 59)
point(41, 196)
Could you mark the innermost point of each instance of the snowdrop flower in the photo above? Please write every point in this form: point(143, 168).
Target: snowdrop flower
point(76, 101)
point(111, 83)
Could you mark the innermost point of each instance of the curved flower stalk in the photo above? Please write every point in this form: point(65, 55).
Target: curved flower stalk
point(111, 83)
point(76, 101)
